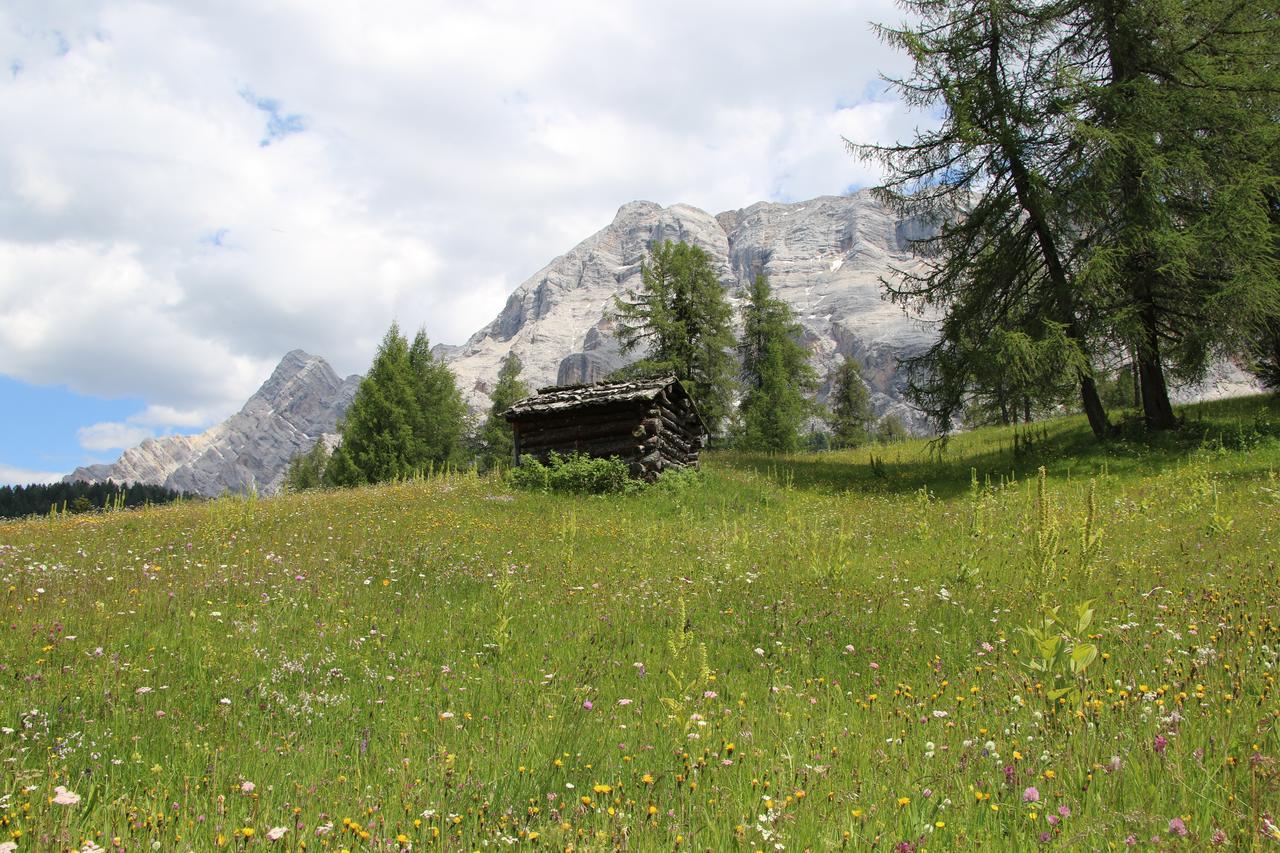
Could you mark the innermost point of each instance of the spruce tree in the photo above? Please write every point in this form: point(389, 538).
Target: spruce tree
point(851, 413)
point(497, 444)
point(378, 431)
point(776, 374)
point(680, 319)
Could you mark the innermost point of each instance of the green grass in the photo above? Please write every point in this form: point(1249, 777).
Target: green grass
point(807, 651)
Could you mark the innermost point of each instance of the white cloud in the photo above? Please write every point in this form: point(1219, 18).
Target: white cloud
point(423, 159)
point(111, 435)
point(11, 476)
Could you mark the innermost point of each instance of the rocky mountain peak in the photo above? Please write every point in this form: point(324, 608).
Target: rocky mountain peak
point(824, 256)
point(299, 404)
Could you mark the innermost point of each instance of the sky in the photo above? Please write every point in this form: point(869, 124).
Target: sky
point(188, 190)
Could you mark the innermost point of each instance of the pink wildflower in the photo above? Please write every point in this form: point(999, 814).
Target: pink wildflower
point(275, 833)
point(1031, 795)
point(1178, 828)
point(63, 797)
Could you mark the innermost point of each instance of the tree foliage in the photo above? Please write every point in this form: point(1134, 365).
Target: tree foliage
point(407, 416)
point(1174, 107)
point(850, 414)
point(306, 470)
point(39, 498)
point(496, 442)
point(680, 320)
point(440, 424)
point(1100, 182)
point(776, 374)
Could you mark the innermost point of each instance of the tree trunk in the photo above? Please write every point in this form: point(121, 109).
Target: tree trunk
point(1093, 409)
point(1157, 411)
point(1029, 200)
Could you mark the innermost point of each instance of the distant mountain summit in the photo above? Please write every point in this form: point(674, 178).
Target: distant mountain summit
point(299, 404)
point(824, 257)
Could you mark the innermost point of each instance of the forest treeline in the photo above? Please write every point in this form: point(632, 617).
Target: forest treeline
point(40, 498)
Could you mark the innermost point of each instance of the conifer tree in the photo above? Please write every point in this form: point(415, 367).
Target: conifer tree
point(851, 413)
point(1102, 176)
point(776, 374)
point(439, 416)
point(497, 444)
point(306, 470)
point(681, 321)
point(378, 431)
point(1002, 256)
point(1174, 105)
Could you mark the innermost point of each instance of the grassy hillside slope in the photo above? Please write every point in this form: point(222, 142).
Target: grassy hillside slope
point(806, 651)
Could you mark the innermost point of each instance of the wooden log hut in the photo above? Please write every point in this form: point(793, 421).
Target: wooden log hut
point(651, 424)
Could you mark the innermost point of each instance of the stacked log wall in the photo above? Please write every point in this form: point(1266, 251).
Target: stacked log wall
point(650, 438)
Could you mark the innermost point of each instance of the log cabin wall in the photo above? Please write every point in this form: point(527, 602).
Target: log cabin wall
point(652, 425)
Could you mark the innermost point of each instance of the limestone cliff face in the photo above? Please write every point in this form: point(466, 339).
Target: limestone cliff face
point(825, 257)
point(299, 404)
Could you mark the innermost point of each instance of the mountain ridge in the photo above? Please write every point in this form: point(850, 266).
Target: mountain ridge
point(824, 256)
point(299, 404)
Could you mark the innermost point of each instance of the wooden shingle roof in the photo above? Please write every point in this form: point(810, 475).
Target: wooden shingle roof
point(562, 399)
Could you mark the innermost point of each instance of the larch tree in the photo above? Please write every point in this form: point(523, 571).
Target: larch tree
point(1174, 104)
point(776, 375)
point(440, 416)
point(849, 402)
point(1001, 257)
point(679, 318)
point(378, 430)
point(497, 444)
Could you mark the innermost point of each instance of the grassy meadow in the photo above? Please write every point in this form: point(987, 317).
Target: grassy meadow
point(785, 653)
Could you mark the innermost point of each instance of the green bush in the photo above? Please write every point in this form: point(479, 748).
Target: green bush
point(576, 474)
point(677, 481)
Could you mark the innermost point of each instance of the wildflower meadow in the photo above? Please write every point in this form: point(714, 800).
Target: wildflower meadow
point(1000, 644)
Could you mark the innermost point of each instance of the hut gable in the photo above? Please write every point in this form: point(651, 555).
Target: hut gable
point(651, 424)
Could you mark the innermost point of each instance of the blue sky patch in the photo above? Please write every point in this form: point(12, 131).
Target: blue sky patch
point(40, 434)
point(279, 123)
